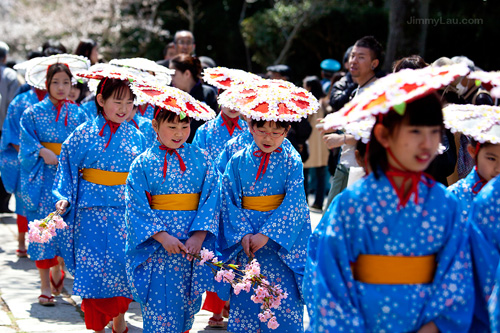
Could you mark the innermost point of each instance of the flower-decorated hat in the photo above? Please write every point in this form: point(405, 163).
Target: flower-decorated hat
point(481, 122)
point(224, 78)
point(175, 100)
point(147, 67)
point(270, 100)
point(36, 68)
point(393, 91)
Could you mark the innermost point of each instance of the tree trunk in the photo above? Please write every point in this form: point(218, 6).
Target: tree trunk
point(397, 17)
point(424, 14)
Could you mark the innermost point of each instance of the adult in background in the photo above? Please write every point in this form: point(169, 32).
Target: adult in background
point(88, 48)
point(183, 44)
point(364, 63)
point(187, 77)
point(318, 153)
point(8, 87)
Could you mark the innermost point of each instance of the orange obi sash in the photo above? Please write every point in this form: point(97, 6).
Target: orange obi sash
point(102, 177)
point(264, 203)
point(53, 147)
point(378, 269)
point(182, 201)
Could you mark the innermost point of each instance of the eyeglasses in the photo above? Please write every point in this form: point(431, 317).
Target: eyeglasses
point(274, 135)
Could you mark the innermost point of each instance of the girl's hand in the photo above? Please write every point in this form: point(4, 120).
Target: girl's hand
point(245, 242)
point(430, 327)
point(61, 206)
point(257, 242)
point(171, 244)
point(48, 156)
point(193, 244)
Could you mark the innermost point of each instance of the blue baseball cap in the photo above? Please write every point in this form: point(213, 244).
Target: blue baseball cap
point(330, 65)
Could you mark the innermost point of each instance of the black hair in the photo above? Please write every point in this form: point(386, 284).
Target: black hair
point(165, 49)
point(361, 148)
point(53, 70)
point(261, 123)
point(425, 111)
point(183, 62)
point(371, 43)
point(85, 47)
point(162, 115)
point(111, 87)
point(474, 143)
point(83, 92)
point(314, 84)
point(411, 62)
point(52, 47)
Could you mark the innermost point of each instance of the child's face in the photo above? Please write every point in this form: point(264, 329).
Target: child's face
point(230, 113)
point(60, 86)
point(74, 93)
point(414, 146)
point(488, 161)
point(117, 109)
point(172, 134)
point(268, 137)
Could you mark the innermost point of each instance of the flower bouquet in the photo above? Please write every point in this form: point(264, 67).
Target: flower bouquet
point(42, 231)
point(265, 293)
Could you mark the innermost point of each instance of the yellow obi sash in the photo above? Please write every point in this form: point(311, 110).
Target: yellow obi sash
point(53, 147)
point(102, 177)
point(378, 269)
point(182, 201)
point(264, 203)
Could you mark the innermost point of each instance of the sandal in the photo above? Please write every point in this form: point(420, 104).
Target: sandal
point(49, 300)
point(216, 323)
point(22, 253)
point(57, 288)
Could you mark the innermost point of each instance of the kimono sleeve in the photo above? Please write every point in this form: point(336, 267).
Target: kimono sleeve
point(65, 187)
point(451, 304)
point(207, 216)
point(30, 144)
point(142, 222)
point(286, 222)
point(329, 288)
point(235, 221)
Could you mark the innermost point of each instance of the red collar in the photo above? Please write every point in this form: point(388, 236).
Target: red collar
point(59, 105)
point(230, 128)
point(414, 177)
point(171, 151)
point(113, 127)
point(141, 110)
point(264, 161)
point(478, 186)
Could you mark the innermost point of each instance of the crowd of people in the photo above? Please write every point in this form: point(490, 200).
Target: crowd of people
point(408, 240)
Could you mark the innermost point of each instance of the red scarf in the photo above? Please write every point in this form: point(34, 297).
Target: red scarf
point(135, 123)
point(230, 128)
point(414, 177)
point(40, 94)
point(478, 186)
point(113, 127)
point(264, 161)
point(141, 110)
point(59, 105)
point(171, 151)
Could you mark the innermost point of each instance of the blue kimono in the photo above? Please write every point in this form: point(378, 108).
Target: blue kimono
point(484, 218)
point(484, 257)
point(9, 157)
point(169, 287)
point(94, 250)
point(146, 127)
point(365, 220)
point(213, 135)
point(146, 110)
point(231, 147)
point(288, 227)
point(39, 125)
point(90, 109)
point(493, 306)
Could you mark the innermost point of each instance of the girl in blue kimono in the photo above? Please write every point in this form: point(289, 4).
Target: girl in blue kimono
point(9, 159)
point(172, 209)
point(484, 251)
point(493, 306)
point(90, 187)
point(265, 215)
point(146, 110)
point(144, 125)
point(212, 137)
point(391, 252)
point(43, 128)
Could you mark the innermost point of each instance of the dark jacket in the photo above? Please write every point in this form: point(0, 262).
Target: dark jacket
point(298, 134)
point(202, 93)
point(341, 92)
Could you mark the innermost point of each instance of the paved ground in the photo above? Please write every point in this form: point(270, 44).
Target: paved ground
point(20, 287)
